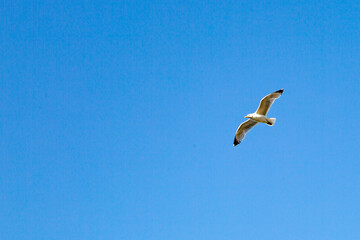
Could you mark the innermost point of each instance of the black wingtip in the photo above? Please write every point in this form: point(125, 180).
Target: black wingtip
point(280, 91)
point(236, 142)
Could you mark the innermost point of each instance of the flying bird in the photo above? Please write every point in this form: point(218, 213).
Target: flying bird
point(258, 116)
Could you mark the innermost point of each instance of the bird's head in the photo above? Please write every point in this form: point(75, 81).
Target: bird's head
point(248, 116)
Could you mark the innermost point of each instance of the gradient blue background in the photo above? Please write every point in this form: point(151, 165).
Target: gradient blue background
point(118, 117)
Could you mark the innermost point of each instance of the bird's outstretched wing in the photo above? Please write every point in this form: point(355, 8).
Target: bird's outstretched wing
point(267, 101)
point(242, 130)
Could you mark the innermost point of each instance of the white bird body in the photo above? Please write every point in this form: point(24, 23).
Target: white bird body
point(261, 118)
point(258, 116)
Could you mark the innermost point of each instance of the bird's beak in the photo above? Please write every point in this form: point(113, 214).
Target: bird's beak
point(246, 117)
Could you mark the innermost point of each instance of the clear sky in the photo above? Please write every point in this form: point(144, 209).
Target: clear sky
point(118, 117)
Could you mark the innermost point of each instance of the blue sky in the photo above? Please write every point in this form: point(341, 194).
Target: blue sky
point(117, 120)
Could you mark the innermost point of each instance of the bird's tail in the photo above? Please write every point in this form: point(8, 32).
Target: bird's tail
point(271, 121)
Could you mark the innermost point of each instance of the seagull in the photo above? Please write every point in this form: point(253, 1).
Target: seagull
point(258, 116)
